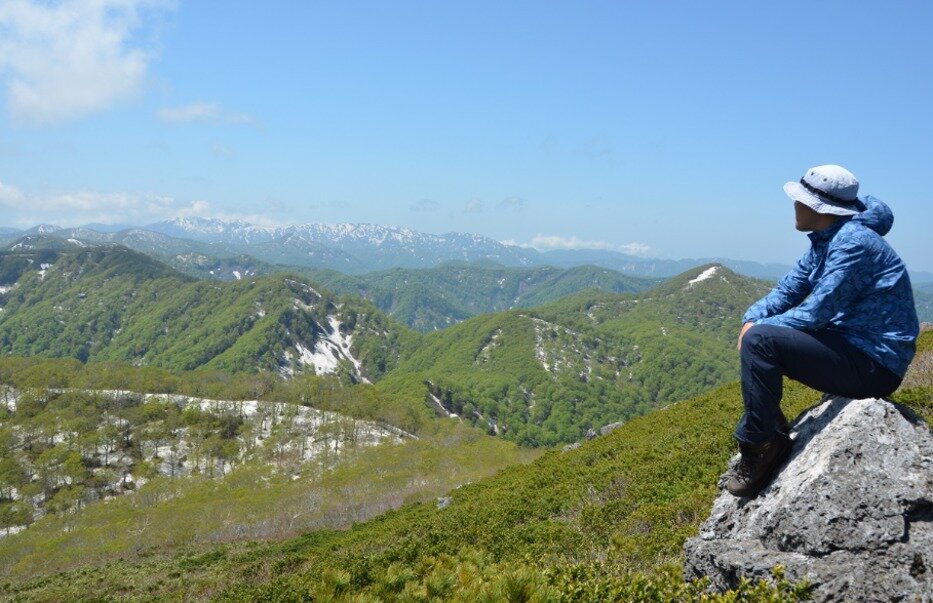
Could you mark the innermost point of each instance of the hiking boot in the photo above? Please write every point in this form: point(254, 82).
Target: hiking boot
point(783, 424)
point(757, 463)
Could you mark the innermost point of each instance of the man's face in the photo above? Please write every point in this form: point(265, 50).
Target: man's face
point(808, 220)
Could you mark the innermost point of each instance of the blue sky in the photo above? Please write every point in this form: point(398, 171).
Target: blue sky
point(664, 128)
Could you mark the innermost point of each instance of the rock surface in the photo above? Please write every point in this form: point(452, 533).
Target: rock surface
point(851, 510)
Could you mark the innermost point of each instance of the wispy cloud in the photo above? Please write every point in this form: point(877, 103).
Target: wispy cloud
point(547, 242)
point(203, 112)
point(634, 248)
point(513, 203)
point(425, 205)
point(596, 148)
point(10, 196)
point(67, 59)
point(81, 207)
point(192, 112)
point(473, 206)
point(221, 150)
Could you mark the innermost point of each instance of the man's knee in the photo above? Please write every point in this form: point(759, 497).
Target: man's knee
point(759, 339)
point(755, 338)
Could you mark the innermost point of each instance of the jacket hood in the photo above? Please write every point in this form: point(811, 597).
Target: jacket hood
point(877, 215)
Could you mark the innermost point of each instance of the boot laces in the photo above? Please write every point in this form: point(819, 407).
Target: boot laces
point(744, 468)
point(749, 459)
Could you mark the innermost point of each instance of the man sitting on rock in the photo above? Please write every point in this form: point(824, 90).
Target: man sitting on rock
point(842, 321)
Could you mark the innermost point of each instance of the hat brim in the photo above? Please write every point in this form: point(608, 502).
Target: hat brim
point(797, 192)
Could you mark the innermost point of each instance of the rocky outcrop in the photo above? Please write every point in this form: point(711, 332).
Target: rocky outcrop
point(851, 510)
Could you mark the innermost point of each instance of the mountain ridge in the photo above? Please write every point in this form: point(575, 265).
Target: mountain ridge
point(111, 303)
point(539, 376)
point(360, 248)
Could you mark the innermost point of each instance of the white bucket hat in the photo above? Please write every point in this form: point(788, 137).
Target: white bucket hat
point(826, 189)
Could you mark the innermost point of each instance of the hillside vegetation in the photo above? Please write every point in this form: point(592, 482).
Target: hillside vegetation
point(537, 376)
point(101, 473)
point(116, 304)
point(572, 524)
point(435, 298)
point(550, 374)
point(605, 520)
point(428, 299)
point(602, 522)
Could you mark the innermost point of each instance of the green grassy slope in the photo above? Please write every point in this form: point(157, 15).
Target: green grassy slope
point(619, 504)
point(605, 521)
point(256, 500)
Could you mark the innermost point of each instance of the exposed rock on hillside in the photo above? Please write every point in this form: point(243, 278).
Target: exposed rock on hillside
point(851, 511)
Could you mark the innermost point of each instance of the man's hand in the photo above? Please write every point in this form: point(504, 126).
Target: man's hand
point(745, 328)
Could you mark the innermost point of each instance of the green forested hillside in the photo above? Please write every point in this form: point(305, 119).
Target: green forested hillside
point(574, 526)
point(115, 304)
point(432, 298)
point(602, 522)
point(435, 298)
point(199, 456)
point(538, 377)
point(550, 374)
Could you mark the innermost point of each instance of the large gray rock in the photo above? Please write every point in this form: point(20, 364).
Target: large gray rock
point(851, 510)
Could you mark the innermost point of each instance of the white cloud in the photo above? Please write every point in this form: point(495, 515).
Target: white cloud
point(634, 248)
point(547, 242)
point(68, 59)
point(205, 112)
point(10, 196)
point(473, 206)
point(73, 208)
point(192, 112)
point(242, 118)
point(195, 208)
point(83, 207)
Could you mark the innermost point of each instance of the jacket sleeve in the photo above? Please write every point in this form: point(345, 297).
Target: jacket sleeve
point(846, 275)
point(789, 292)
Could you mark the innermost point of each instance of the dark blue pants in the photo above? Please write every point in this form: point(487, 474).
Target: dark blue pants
point(823, 360)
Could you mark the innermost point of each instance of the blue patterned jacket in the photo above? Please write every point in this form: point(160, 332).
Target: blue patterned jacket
point(852, 282)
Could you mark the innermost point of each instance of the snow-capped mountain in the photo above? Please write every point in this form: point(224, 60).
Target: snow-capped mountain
point(213, 230)
point(344, 247)
point(145, 241)
point(362, 248)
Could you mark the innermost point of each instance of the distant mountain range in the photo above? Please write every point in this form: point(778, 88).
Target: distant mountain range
point(362, 248)
point(417, 288)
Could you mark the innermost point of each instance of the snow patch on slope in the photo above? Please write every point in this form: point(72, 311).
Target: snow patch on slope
point(328, 351)
point(703, 276)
